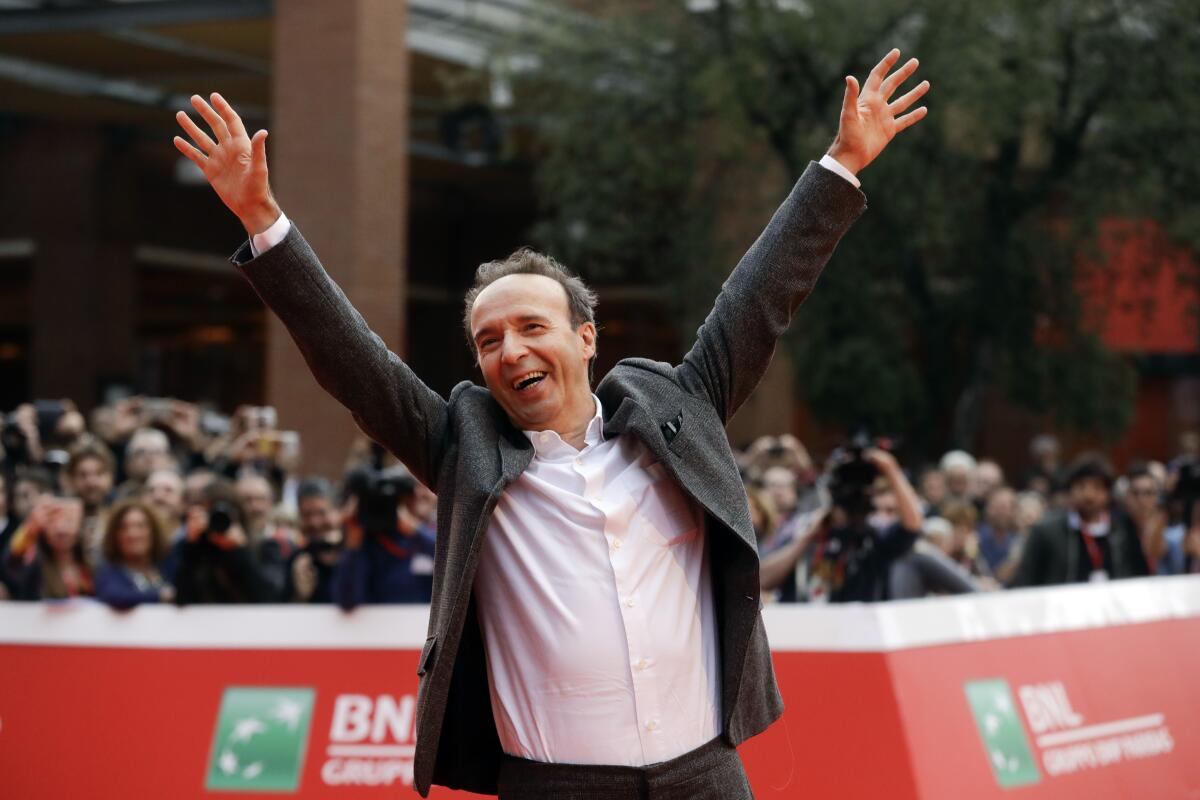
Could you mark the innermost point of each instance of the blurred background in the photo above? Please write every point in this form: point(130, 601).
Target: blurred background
point(1024, 287)
point(1028, 262)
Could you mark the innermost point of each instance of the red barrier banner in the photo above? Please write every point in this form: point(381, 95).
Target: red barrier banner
point(1073, 692)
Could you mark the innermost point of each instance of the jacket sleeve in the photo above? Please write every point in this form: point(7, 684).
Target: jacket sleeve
point(388, 401)
point(940, 574)
point(735, 343)
point(1032, 566)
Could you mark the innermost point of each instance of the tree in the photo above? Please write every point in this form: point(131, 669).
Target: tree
point(663, 122)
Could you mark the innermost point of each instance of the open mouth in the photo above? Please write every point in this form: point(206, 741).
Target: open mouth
point(527, 380)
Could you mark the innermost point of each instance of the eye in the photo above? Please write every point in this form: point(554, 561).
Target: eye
point(533, 326)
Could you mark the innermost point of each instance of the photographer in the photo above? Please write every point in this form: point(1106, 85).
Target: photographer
point(215, 566)
point(846, 554)
point(388, 556)
point(270, 544)
point(40, 432)
point(310, 569)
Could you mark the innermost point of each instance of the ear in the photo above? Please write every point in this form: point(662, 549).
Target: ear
point(587, 332)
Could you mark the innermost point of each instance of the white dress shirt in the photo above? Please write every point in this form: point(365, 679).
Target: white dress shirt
point(595, 601)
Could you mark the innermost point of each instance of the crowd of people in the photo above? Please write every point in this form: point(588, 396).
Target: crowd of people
point(860, 529)
point(157, 500)
point(154, 500)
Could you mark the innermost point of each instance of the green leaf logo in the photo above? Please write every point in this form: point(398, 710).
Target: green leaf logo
point(260, 739)
point(1003, 736)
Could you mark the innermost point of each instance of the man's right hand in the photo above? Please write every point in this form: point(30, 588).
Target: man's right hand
point(234, 163)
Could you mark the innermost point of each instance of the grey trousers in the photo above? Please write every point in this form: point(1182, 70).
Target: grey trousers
point(710, 772)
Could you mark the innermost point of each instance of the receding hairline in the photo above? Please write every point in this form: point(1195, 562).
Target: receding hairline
point(562, 292)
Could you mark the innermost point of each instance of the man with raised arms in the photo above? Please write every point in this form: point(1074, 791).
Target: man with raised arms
point(595, 628)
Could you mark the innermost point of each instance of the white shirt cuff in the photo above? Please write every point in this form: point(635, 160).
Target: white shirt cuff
point(262, 242)
point(833, 165)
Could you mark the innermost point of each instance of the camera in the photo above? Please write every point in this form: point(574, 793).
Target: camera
point(378, 493)
point(49, 412)
point(220, 517)
point(851, 476)
point(156, 409)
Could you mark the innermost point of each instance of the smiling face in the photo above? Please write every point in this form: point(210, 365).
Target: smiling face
point(533, 360)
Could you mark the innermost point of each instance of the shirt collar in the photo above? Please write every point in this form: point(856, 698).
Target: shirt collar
point(548, 444)
point(1096, 529)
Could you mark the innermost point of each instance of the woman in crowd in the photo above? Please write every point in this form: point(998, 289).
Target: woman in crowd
point(45, 559)
point(135, 544)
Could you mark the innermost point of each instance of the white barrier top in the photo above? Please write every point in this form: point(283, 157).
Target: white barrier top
point(854, 627)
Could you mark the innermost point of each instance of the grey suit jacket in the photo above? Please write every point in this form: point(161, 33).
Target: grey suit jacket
point(466, 449)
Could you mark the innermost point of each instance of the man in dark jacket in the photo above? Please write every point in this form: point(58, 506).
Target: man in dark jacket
point(594, 628)
point(214, 560)
point(1092, 541)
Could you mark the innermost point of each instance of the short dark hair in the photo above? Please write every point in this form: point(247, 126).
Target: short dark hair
point(221, 491)
point(581, 300)
point(35, 474)
point(1090, 465)
point(90, 448)
point(314, 486)
point(1139, 469)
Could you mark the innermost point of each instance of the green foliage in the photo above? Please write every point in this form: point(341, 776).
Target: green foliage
point(1046, 116)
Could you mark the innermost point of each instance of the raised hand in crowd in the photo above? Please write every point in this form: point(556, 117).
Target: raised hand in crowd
point(908, 503)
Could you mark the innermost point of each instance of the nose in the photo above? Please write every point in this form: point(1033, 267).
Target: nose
point(513, 348)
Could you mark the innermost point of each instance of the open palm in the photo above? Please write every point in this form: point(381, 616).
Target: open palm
point(234, 163)
point(870, 119)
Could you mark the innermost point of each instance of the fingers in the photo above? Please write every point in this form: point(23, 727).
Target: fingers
point(882, 69)
point(211, 117)
point(231, 118)
point(901, 104)
point(191, 153)
point(258, 150)
point(911, 118)
point(850, 101)
point(193, 130)
point(893, 81)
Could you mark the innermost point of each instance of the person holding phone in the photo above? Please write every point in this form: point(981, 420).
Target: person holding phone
point(45, 560)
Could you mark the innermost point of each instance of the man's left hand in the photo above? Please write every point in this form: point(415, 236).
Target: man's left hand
point(870, 119)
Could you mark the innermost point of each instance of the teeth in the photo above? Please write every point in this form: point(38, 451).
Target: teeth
point(527, 377)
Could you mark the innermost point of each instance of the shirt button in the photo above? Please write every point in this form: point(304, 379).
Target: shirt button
point(630, 602)
point(578, 461)
point(544, 436)
point(641, 664)
point(616, 544)
point(652, 725)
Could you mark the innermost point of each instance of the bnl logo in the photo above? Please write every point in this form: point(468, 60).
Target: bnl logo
point(1003, 734)
point(260, 739)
